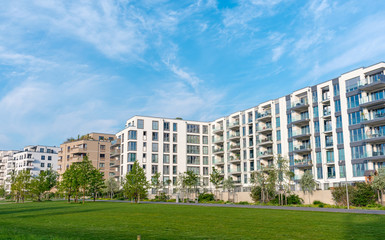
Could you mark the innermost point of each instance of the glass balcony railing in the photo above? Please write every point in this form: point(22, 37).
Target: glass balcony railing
point(218, 150)
point(235, 146)
point(302, 147)
point(234, 135)
point(305, 161)
point(265, 153)
point(266, 127)
point(301, 132)
point(299, 103)
point(234, 124)
point(269, 139)
point(375, 135)
point(373, 79)
point(369, 99)
point(263, 114)
point(373, 116)
point(218, 139)
point(299, 118)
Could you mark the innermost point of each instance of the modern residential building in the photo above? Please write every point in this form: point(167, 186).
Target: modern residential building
point(335, 129)
point(97, 146)
point(34, 158)
point(5, 157)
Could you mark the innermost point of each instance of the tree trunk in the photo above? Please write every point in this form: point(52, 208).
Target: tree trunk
point(84, 195)
point(69, 198)
point(309, 198)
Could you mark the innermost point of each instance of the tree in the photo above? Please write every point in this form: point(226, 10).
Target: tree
point(191, 180)
point(229, 185)
point(264, 183)
point(2, 191)
point(135, 183)
point(156, 183)
point(111, 186)
point(96, 182)
point(307, 183)
point(44, 182)
point(85, 170)
point(283, 178)
point(20, 184)
point(70, 182)
point(379, 184)
point(216, 178)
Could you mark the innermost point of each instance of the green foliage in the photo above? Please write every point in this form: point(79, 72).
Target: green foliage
point(135, 183)
point(206, 197)
point(307, 182)
point(161, 197)
point(42, 183)
point(2, 191)
point(339, 195)
point(294, 199)
point(244, 203)
point(96, 182)
point(216, 178)
point(264, 183)
point(228, 184)
point(20, 184)
point(316, 202)
point(69, 183)
point(111, 186)
point(364, 195)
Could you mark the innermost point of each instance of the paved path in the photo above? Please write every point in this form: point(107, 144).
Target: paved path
point(338, 210)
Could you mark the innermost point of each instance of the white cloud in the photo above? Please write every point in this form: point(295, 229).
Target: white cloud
point(277, 53)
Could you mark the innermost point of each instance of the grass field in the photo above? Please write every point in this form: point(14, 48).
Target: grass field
point(103, 220)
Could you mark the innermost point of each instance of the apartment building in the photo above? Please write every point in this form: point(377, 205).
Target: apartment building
point(168, 146)
point(97, 146)
point(334, 129)
point(34, 158)
point(5, 157)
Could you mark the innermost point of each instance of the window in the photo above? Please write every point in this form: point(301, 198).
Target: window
point(205, 160)
point(205, 129)
point(319, 157)
point(205, 139)
point(330, 156)
point(205, 171)
point(278, 122)
point(174, 148)
point(154, 169)
point(354, 118)
point(132, 134)
point(174, 170)
point(154, 158)
point(131, 157)
point(192, 128)
point(174, 137)
point(103, 147)
point(316, 126)
point(195, 170)
point(288, 118)
point(290, 146)
point(340, 138)
point(49, 165)
point(352, 84)
point(166, 158)
point(174, 159)
point(319, 173)
point(354, 101)
point(166, 126)
point(193, 149)
point(102, 156)
point(279, 148)
point(166, 170)
point(341, 154)
point(315, 111)
point(358, 152)
point(193, 160)
point(317, 142)
point(339, 122)
point(337, 105)
point(155, 125)
point(155, 136)
point(315, 97)
point(357, 135)
point(41, 164)
point(193, 139)
point(331, 172)
point(101, 165)
point(166, 137)
point(205, 150)
point(140, 123)
point(41, 149)
point(342, 171)
point(336, 89)
point(359, 169)
point(154, 147)
point(42, 157)
point(174, 127)
point(49, 158)
point(166, 147)
point(277, 108)
point(131, 146)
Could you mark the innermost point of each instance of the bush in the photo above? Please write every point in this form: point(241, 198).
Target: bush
point(364, 195)
point(316, 202)
point(162, 197)
point(256, 194)
point(339, 195)
point(206, 197)
point(294, 199)
point(243, 203)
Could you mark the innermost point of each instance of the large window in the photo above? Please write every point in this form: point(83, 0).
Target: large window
point(354, 101)
point(354, 118)
point(131, 157)
point(192, 128)
point(278, 122)
point(352, 84)
point(166, 158)
point(166, 126)
point(336, 89)
point(166, 137)
point(359, 169)
point(340, 138)
point(341, 154)
point(131, 146)
point(319, 173)
point(318, 157)
point(358, 152)
point(339, 122)
point(140, 123)
point(193, 139)
point(154, 158)
point(166, 147)
point(337, 105)
point(331, 172)
point(205, 129)
point(357, 134)
point(315, 111)
point(193, 169)
point(132, 134)
point(175, 127)
point(193, 160)
point(155, 125)
point(278, 135)
point(155, 136)
point(193, 149)
point(154, 147)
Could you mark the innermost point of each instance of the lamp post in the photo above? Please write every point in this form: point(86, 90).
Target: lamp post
point(347, 190)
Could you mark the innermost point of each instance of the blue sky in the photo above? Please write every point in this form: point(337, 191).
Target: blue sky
point(73, 67)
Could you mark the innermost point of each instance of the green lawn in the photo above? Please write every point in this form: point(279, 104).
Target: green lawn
point(103, 220)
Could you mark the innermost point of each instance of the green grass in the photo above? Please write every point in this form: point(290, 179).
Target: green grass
point(104, 220)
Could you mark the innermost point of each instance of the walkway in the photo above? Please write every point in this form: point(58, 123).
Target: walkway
point(336, 210)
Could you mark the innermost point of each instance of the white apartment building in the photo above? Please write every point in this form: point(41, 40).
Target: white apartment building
point(34, 158)
point(335, 129)
point(5, 156)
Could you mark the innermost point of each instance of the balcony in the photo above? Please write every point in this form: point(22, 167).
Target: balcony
point(220, 161)
point(303, 163)
point(265, 141)
point(236, 171)
point(218, 140)
point(267, 128)
point(115, 142)
point(300, 105)
point(376, 156)
point(265, 154)
point(263, 116)
point(115, 153)
point(302, 149)
point(234, 124)
point(325, 98)
point(374, 119)
point(235, 135)
point(300, 120)
point(218, 151)
point(368, 101)
point(372, 83)
point(329, 144)
point(235, 147)
point(327, 114)
point(301, 134)
point(233, 159)
point(218, 130)
point(328, 128)
point(78, 150)
point(375, 137)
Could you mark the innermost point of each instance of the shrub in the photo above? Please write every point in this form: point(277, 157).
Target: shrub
point(316, 202)
point(256, 194)
point(206, 197)
point(339, 195)
point(243, 203)
point(162, 197)
point(364, 195)
point(294, 199)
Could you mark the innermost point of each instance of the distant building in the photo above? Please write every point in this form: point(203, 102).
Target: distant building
point(34, 158)
point(97, 146)
point(5, 157)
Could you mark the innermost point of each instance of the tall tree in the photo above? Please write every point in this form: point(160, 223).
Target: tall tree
point(229, 185)
point(44, 182)
point(70, 182)
point(264, 180)
point(111, 186)
point(307, 183)
point(96, 183)
point(191, 181)
point(20, 184)
point(85, 174)
point(283, 178)
point(216, 178)
point(135, 183)
point(379, 183)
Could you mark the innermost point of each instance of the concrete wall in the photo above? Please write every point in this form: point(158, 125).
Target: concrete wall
point(324, 196)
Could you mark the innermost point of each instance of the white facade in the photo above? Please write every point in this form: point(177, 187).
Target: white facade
point(34, 158)
point(336, 129)
point(5, 157)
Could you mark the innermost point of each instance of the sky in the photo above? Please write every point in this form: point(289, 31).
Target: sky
point(74, 67)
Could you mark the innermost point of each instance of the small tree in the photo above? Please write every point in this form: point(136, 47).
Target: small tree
point(264, 182)
point(216, 178)
point(229, 185)
point(135, 184)
point(156, 183)
point(44, 182)
point(20, 184)
point(111, 186)
point(191, 180)
point(70, 182)
point(379, 184)
point(283, 178)
point(2, 191)
point(307, 183)
point(85, 169)
point(96, 183)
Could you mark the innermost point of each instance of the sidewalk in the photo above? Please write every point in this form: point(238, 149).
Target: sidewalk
point(336, 210)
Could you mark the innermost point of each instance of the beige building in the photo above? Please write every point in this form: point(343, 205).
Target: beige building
point(97, 146)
